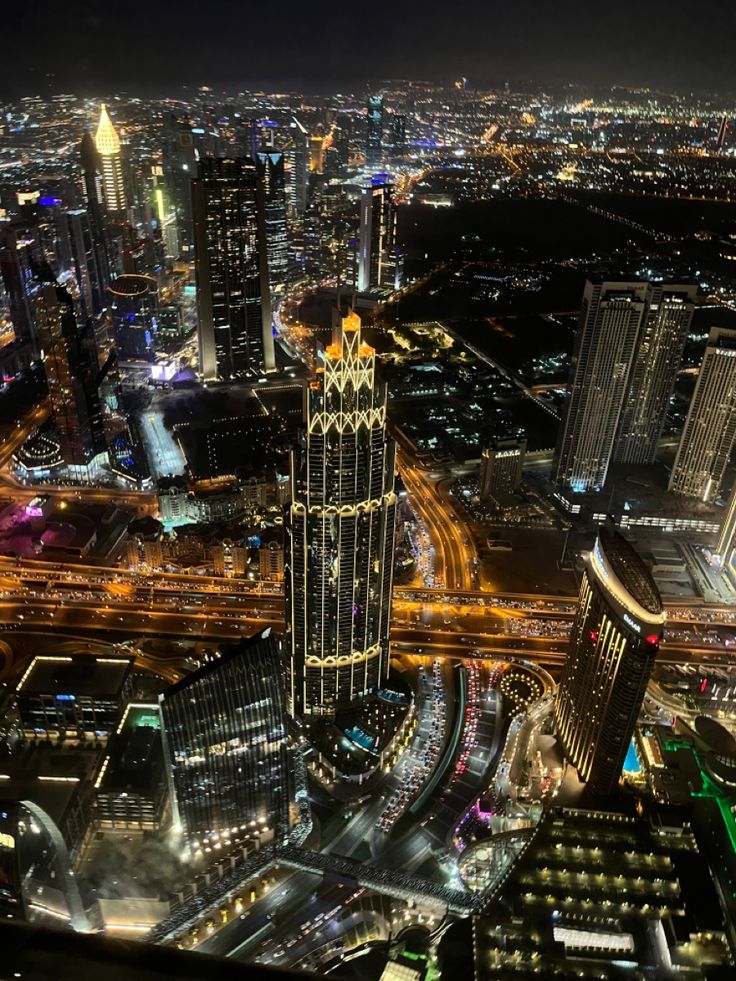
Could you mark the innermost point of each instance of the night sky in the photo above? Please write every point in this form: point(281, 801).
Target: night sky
point(156, 47)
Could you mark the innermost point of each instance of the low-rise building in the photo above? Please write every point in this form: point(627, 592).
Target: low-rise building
point(78, 697)
point(131, 786)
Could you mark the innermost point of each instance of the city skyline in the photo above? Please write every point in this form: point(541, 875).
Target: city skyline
point(368, 513)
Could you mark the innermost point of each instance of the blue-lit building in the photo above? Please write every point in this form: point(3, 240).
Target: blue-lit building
point(134, 314)
point(379, 259)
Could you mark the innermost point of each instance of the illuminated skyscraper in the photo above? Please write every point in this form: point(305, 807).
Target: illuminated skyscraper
point(627, 352)
point(180, 168)
point(605, 345)
point(340, 534)
point(374, 131)
point(133, 316)
point(270, 166)
point(108, 147)
point(226, 745)
point(96, 210)
point(501, 467)
point(379, 265)
point(298, 156)
point(235, 331)
point(727, 533)
point(613, 643)
point(657, 359)
point(710, 428)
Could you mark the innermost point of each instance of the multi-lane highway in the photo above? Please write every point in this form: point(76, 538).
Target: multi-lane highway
point(455, 560)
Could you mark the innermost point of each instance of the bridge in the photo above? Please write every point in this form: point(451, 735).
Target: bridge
point(392, 882)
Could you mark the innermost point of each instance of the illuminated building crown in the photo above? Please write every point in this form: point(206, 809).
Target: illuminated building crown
point(106, 139)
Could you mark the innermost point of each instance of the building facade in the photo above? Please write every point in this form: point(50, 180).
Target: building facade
point(501, 466)
point(233, 297)
point(70, 362)
point(710, 428)
point(627, 353)
point(374, 131)
point(82, 696)
point(656, 362)
point(271, 176)
point(340, 534)
point(107, 142)
point(605, 345)
point(613, 643)
point(379, 265)
point(227, 747)
point(133, 316)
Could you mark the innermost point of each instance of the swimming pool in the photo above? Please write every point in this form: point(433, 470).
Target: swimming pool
point(631, 763)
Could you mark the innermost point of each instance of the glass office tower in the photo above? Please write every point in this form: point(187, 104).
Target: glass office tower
point(227, 747)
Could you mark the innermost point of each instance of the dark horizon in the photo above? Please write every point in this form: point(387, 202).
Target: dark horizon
point(153, 50)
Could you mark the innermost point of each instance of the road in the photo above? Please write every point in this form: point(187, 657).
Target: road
point(118, 613)
point(454, 564)
point(164, 456)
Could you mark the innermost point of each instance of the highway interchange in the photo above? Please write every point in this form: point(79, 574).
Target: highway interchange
point(448, 634)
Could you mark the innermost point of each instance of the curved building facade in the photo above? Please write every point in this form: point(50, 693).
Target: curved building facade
point(340, 534)
point(614, 641)
point(37, 883)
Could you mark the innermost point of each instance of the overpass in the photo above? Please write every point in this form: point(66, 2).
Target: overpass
point(392, 882)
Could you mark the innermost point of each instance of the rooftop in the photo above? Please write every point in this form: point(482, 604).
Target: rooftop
point(82, 675)
point(629, 568)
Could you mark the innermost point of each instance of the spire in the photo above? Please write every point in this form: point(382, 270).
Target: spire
point(107, 140)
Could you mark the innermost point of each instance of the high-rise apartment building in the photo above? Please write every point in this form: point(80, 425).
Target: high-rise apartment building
point(379, 265)
point(613, 643)
point(227, 748)
point(340, 534)
point(270, 167)
point(180, 167)
point(627, 352)
point(235, 331)
point(710, 428)
point(374, 131)
point(608, 331)
point(657, 359)
point(297, 154)
point(71, 373)
point(94, 193)
point(727, 533)
point(87, 264)
point(107, 142)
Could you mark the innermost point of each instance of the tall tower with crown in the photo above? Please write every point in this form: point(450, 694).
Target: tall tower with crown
point(340, 534)
point(107, 142)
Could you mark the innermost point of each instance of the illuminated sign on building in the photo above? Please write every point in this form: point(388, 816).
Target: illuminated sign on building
point(632, 623)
